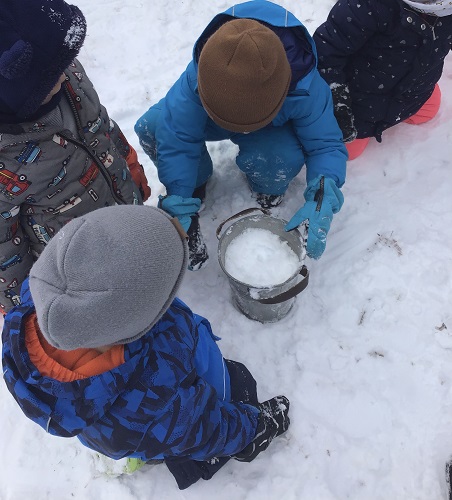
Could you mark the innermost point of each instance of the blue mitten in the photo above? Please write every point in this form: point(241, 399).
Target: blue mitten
point(323, 199)
point(182, 208)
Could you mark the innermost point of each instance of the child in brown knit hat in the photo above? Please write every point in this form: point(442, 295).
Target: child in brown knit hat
point(254, 80)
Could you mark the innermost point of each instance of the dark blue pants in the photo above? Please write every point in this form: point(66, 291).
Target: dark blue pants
point(187, 471)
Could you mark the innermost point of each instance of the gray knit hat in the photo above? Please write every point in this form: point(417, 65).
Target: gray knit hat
point(107, 277)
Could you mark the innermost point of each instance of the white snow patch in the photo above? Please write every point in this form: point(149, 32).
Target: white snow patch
point(259, 257)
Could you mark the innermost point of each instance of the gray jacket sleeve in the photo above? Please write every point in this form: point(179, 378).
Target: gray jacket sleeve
point(15, 258)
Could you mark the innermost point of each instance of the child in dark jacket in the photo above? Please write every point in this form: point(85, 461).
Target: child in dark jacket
point(100, 348)
point(383, 61)
point(61, 155)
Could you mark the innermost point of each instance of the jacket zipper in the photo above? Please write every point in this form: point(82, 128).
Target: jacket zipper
point(100, 165)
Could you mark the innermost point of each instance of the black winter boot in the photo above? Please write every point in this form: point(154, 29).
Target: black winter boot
point(269, 200)
point(197, 249)
point(200, 192)
point(449, 478)
point(273, 421)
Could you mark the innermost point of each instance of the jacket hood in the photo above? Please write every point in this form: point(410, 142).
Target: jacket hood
point(437, 8)
point(62, 408)
point(275, 17)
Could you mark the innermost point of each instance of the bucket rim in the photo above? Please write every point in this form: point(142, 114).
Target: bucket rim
point(248, 285)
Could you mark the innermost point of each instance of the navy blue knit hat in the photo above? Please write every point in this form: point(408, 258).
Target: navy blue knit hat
point(38, 41)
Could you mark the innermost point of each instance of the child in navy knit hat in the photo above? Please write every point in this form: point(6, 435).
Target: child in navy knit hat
point(61, 156)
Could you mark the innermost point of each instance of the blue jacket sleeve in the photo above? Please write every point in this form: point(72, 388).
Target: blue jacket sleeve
point(200, 426)
point(180, 135)
point(318, 132)
point(349, 26)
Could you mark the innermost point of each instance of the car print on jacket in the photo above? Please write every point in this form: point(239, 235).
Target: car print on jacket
point(65, 206)
point(37, 127)
point(12, 261)
point(41, 232)
point(89, 176)
point(95, 196)
point(13, 297)
point(12, 232)
point(51, 195)
point(58, 178)
point(14, 184)
point(106, 158)
point(61, 141)
point(29, 154)
point(7, 214)
point(94, 126)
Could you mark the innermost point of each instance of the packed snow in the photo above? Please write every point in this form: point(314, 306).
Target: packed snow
point(260, 258)
point(364, 355)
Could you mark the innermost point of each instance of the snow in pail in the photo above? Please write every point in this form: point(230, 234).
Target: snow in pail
point(260, 258)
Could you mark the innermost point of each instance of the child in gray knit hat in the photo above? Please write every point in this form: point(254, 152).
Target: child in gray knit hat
point(100, 348)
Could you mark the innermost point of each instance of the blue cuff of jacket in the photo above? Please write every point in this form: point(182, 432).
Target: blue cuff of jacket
point(182, 208)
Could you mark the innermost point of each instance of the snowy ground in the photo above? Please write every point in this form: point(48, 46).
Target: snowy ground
point(364, 356)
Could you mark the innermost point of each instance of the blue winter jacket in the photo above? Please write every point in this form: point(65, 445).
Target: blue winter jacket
point(169, 397)
point(389, 55)
point(181, 128)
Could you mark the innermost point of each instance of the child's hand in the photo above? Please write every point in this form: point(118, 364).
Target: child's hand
point(137, 174)
point(343, 111)
point(197, 249)
point(323, 199)
point(139, 177)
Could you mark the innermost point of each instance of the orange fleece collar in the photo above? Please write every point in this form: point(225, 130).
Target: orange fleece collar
point(67, 366)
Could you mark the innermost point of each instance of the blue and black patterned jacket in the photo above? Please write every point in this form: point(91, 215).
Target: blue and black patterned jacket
point(169, 398)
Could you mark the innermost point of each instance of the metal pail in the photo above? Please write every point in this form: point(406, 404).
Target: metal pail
point(264, 304)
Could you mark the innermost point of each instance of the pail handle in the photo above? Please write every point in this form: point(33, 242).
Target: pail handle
point(292, 292)
point(240, 214)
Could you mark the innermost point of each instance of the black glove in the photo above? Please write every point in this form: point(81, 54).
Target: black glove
point(273, 421)
point(343, 111)
point(197, 250)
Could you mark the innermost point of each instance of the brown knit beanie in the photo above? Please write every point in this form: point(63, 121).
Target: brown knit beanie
point(243, 75)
